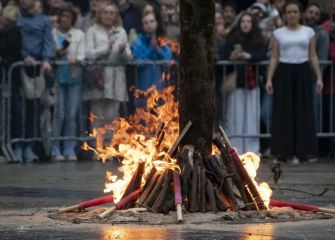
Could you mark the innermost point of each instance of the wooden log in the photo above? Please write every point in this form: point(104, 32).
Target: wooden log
point(194, 205)
point(238, 181)
point(239, 189)
point(227, 184)
point(163, 193)
point(149, 177)
point(199, 190)
point(178, 140)
point(247, 180)
point(203, 184)
point(199, 159)
point(155, 191)
point(159, 135)
point(185, 180)
point(148, 188)
point(136, 179)
point(211, 196)
point(243, 172)
point(220, 203)
point(169, 203)
point(135, 183)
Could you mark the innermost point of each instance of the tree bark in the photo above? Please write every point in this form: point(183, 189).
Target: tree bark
point(197, 72)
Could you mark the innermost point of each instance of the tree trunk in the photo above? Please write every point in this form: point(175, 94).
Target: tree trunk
point(197, 72)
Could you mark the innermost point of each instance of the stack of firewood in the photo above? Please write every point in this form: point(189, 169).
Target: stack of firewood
point(201, 183)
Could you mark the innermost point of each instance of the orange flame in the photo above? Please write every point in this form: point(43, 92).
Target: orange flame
point(251, 163)
point(174, 45)
point(133, 141)
point(133, 138)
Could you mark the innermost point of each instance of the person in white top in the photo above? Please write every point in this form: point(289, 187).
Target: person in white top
point(290, 79)
point(70, 46)
point(107, 40)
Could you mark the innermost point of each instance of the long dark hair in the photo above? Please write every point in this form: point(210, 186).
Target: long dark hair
point(255, 36)
point(160, 32)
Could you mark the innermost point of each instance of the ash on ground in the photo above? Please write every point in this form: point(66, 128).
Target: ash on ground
point(140, 216)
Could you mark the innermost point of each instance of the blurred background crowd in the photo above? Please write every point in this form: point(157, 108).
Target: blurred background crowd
point(119, 31)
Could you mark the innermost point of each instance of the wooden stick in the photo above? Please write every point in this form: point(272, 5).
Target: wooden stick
point(203, 190)
point(177, 195)
point(242, 171)
point(239, 186)
point(211, 196)
point(178, 140)
point(238, 181)
point(227, 184)
point(148, 188)
point(157, 187)
point(219, 202)
point(87, 204)
point(194, 206)
point(135, 181)
point(225, 138)
point(123, 202)
point(162, 195)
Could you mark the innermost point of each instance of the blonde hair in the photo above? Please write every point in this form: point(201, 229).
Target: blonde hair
point(102, 7)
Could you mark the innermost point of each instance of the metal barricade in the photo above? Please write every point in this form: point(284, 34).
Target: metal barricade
point(261, 73)
point(325, 113)
point(3, 109)
point(7, 101)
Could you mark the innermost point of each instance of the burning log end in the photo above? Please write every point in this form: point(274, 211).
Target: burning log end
point(225, 138)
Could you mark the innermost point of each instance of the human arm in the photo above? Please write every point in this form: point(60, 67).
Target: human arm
point(141, 49)
point(48, 47)
point(272, 65)
point(81, 47)
point(95, 50)
point(313, 58)
point(121, 47)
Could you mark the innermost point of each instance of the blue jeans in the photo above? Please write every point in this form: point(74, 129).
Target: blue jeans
point(65, 119)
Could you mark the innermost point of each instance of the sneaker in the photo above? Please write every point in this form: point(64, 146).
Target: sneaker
point(71, 158)
point(293, 161)
point(18, 154)
point(58, 158)
point(29, 155)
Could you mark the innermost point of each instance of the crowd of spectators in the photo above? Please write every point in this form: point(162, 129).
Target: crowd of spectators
point(117, 30)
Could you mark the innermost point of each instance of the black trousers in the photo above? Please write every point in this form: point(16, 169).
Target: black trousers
point(293, 126)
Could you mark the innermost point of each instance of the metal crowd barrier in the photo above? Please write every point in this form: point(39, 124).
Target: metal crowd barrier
point(7, 140)
point(6, 101)
point(261, 67)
